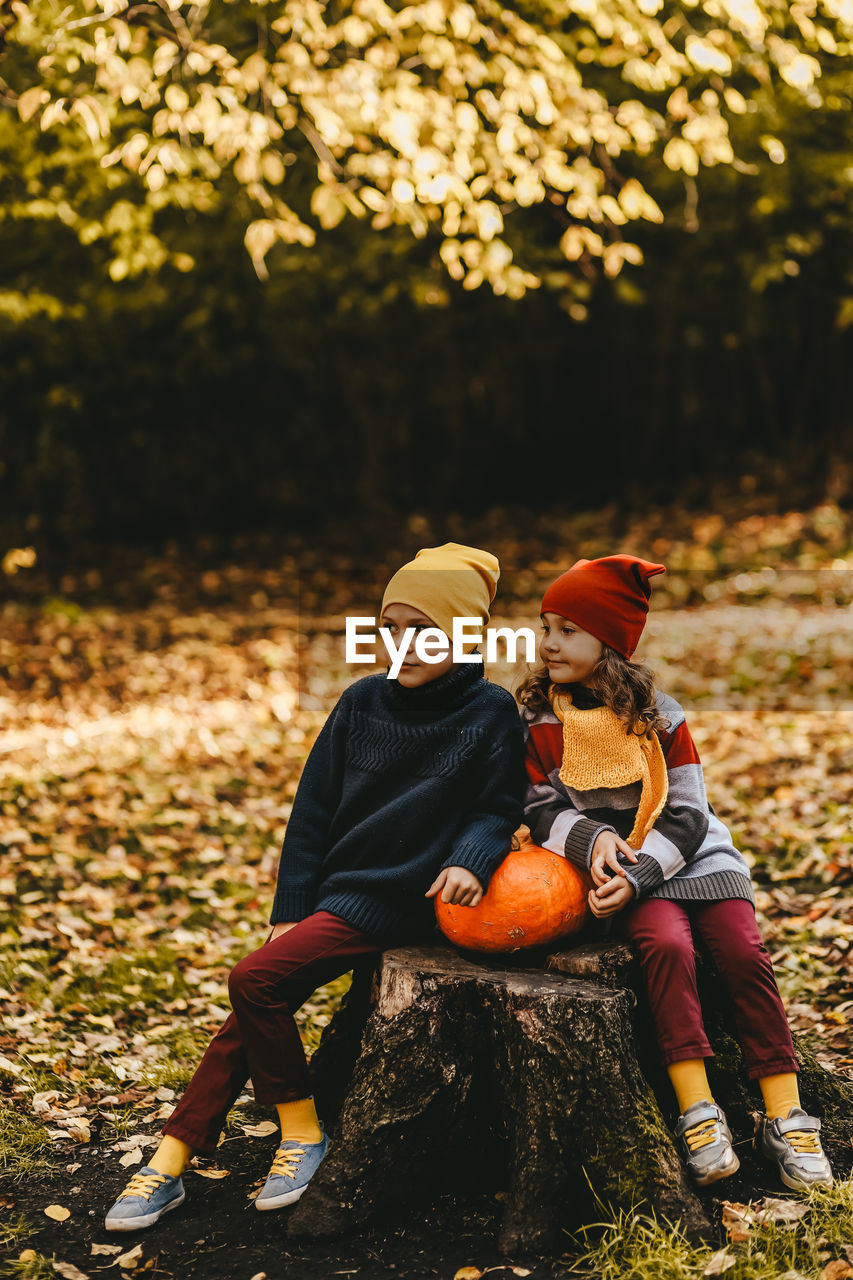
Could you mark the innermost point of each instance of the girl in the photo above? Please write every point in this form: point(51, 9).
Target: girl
point(616, 786)
point(413, 788)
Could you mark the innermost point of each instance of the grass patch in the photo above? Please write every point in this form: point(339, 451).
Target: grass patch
point(23, 970)
point(174, 1075)
point(119, 1123)
point(643, 1247)
point(12, 1229)
point(22, 1142)
point(35, 1267)
point(153, 977)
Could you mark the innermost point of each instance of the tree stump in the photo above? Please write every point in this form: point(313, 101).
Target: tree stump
point(536, 1079)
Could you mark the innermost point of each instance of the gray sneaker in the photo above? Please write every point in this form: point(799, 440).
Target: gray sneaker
point(794, 1147)
point(293, 1167)
point(706, 1143)
point(146, 1198)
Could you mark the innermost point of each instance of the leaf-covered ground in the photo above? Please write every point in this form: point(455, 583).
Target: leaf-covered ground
point(155, 715)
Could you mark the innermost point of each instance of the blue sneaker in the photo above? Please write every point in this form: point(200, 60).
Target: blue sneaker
point(293, 1167)
point(146, 1198)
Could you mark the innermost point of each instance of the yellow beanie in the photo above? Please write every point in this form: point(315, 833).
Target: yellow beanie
point(447, 582)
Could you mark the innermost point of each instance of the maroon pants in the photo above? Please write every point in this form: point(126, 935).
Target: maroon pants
point(661, 932)
point(260, 1038)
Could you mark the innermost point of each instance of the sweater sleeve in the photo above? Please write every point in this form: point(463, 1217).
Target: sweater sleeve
point(553, 820)
point(316, 799)
point(682, 825)
point(483, 838)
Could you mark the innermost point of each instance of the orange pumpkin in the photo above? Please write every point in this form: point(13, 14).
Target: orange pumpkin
point(534, 898)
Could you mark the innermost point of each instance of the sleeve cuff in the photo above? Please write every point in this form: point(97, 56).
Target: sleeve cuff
point(643, 875)
point(475, 859)
point(582, 836)
point(291, 905)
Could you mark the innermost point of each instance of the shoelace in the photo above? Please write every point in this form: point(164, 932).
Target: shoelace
point(700, 1135)
point(285, 1163)
point(805, 1142)
point(143, 1184)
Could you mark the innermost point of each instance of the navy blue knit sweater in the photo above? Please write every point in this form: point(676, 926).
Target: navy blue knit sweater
point(399, 784)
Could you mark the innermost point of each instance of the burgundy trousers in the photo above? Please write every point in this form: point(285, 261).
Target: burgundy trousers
point(663, 934)
point(260, 1038)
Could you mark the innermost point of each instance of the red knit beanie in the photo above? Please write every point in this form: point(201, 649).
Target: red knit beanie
point(609, 598)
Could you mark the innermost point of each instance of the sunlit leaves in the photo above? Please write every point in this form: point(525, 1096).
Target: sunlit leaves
point(444, 117)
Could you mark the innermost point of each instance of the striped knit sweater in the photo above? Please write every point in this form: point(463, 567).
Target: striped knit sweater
point(687, 856)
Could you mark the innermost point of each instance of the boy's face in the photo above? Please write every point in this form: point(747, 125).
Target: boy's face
point(571, 655)
point(398, 618)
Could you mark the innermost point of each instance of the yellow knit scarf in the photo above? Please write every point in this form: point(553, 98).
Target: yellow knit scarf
point(597, 752)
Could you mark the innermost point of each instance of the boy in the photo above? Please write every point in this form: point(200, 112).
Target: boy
point(413, 787)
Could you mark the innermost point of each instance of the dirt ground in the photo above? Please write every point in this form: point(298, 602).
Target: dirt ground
point(217, 1234)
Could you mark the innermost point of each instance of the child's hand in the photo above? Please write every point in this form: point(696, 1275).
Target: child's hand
point(456, 885)
point(604, 854)
point(611, 897)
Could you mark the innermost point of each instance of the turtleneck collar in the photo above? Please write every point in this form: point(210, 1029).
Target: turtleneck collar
point(441, 695)
point(582, 697)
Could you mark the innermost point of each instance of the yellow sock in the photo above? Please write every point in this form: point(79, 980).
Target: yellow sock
point(690, 1082)
point(299, 1121)
point(172, 1157)
point(780, 1094)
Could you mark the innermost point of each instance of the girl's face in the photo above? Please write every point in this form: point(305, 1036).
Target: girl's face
point(398, 618)
point(570, 654)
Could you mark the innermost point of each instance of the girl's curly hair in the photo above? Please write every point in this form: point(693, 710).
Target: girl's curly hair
point(628, 688)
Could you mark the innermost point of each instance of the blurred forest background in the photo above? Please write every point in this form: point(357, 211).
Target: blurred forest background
point(284, 266)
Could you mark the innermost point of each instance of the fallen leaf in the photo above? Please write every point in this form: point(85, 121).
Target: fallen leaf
point(136, 1140)
point(521, 1271)
point(260, 1130)
point(786, 1211)
point(838, 1269)
point(101, 1250)
point(7, 1065)
point(720, 1262)
point(261, 1275)
point(78, 1129)
point(68, 1271)
point(131, 1157)
point(130, 1258)
point(212, 1173)
point(737, 1220)
point(468, 1273)
point(44, 1101)
point(27, 1256)
point(58, 1212)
